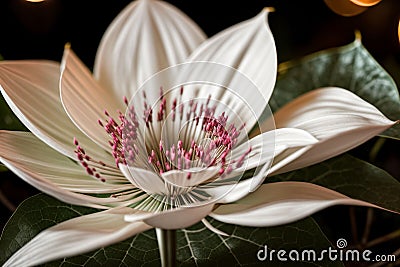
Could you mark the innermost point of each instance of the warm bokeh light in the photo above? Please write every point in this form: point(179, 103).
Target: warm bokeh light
point(35, 1)
point(366, 3)
point(345, 7)
point(398, 31)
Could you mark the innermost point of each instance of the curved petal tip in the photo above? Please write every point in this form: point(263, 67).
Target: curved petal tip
point(268, 9)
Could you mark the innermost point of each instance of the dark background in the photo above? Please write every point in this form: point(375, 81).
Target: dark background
point(40, 30)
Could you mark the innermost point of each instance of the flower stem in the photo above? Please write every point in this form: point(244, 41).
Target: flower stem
point(167, 246)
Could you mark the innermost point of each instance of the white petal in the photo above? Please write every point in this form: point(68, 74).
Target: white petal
point(339, 119)
point(146, 180)
point(172, 219)
point(279, 140)
point(51, 172)
point(314, 106)
point(84, 99)
point(31, 90)
point(230, 193)
point(248, 47)
point(153, 183)
point(197, 176)
point(77, 236)
point(287, 157)
point(281, 203)
point(146, 37)
point(267, 145)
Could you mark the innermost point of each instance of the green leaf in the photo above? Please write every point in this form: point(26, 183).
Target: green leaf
point(352, 177)
point(197, 246)
point(3, 168)
point(8, 121)
point(350, 67)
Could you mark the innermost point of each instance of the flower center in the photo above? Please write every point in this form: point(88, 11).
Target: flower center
point(201, 140)
point(172, 135)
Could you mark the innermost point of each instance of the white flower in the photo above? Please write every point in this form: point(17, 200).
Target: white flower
point(145, 38)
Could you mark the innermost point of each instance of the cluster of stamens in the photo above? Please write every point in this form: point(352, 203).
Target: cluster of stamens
point(204, 140)
point(123, 134)
point(95, 168)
